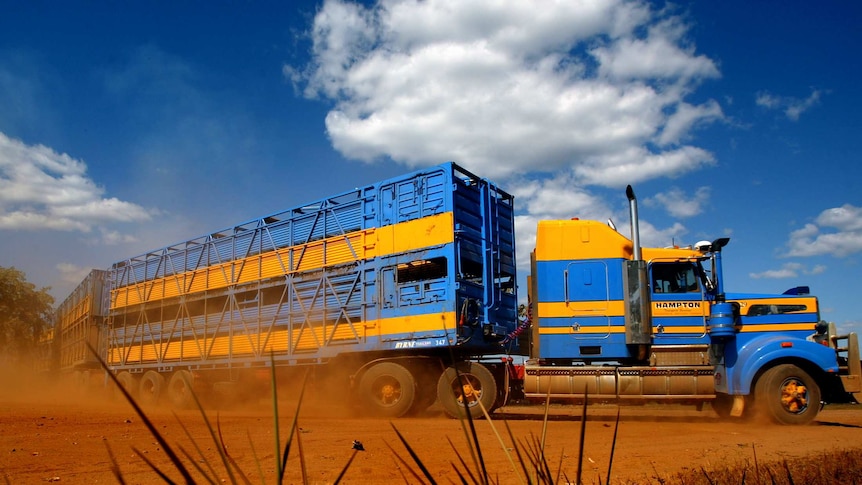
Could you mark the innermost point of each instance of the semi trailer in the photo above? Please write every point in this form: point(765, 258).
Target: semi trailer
point(404, 293)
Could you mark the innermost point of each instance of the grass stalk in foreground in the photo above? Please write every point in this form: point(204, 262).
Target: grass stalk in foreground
point(178, 464)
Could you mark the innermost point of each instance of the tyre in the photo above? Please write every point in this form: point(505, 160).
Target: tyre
point(722, 405)
point(129, 383)
point(150, 388)
point(181, 389)
point(787, 395)
point(476, 385)
point(387, 390)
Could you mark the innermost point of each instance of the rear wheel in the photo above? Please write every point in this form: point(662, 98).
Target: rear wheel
point(387, 390)
point(150, 389)
point(466, 385)
point(180, 389)
point(787, 395)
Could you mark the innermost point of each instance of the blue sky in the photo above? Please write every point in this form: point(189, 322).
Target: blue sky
point(129, 126)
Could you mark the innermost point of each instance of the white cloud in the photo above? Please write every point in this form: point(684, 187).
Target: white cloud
point(685, 118)
point(790, 106)
point(594, 89)
point(43, 189)
point(844, 238)
point(655, 237)
point(678, 204)
point(72, 274)
point(637, 164)
point(660, 54)
point(789, 270)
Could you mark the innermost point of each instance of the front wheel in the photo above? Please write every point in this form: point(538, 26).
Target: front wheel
point(467, 384)
point(387, 390)
point(787, 395)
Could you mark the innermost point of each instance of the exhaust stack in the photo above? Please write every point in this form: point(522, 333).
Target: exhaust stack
point(638, 306)
point(633, 215)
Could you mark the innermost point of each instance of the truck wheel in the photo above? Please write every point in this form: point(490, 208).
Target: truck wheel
point(150, 389)
point(787, 395)
point(128, 382)
point(476, 385)
point(180, 389)
point(387, 390)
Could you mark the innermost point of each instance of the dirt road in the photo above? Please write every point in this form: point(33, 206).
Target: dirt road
point(68, 441)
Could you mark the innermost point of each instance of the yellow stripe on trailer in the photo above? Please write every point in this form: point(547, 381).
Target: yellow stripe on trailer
point(356, 246)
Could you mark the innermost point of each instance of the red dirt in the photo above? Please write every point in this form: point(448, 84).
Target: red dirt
point(45, 437)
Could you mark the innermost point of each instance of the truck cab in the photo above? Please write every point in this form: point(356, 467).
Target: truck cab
point(617, 321)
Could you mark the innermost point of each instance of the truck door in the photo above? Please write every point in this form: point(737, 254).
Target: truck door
point(588, 300)
point(679, 308)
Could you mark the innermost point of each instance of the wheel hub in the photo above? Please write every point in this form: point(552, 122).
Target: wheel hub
point(794, 396)
point(388, 393)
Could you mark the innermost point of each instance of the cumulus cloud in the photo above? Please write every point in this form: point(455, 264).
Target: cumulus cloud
point(592, 89)
point(789, 270)
point(558, 99)
point(72, 274)
point(43, 189)
point(790, 106)
point(836, 231)
point(678, 204)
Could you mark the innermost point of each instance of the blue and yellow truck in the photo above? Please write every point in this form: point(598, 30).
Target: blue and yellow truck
point(405, 293)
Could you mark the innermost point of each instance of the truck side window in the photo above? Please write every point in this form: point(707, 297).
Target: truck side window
point(674, 278)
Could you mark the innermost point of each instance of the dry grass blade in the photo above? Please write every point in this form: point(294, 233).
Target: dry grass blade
point(462, 380)
point(226, 455)
point(279, 463)
point(346, 466)
point(477, 461)
point(162, 441)
point(153, 466)
point(613, 447)
point(771, 476)
point(537, 460)
point(219, 444)
point(458, 472)
point(518, 453)
point(463, 464)
point(256, 459)
point(706, 475)
point(293, 425)
point(194, 463)
point(115, 468)
point(560, 466)
point(582, 438)
point(406, 465)
point(500, 439)
point(756, 468)
point(545, 418)
point(200, 453)
point(789, 475)
point(301, 454)
point(414, 455)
